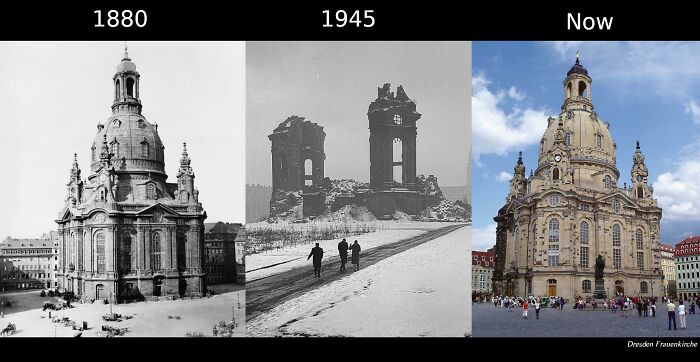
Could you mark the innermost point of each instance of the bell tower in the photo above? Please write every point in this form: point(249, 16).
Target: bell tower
point(577, 88)
point(126, 87)
point(640, 174)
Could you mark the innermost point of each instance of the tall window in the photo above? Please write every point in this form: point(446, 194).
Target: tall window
point(643, 287)
point(482, 281)
point(517, 247)
point(586, 286)
point(115, 149)
point(639, 238)
point(554, 255)
point(568, 138)
point(616, 235)
point(617, 258)
point(144, 149)
point(151, 191)
point(607, 182)
point(584, 232)
point(157, 251)
point(397, 119)
point(640, 192)
point(101, 261)
point(554, 231)
point(584, 256)
point(555, 173)
point(130, 87)
point(599, 141)
point(640, 259)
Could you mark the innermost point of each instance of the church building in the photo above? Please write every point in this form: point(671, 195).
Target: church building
point(571, 209)
point(124, 226)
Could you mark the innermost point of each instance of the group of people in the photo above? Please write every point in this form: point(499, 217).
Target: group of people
point(343, 248)
point(644, 305)
point(681, 310)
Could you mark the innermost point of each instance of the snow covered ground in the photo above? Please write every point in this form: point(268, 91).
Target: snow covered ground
point(291, 257)
point(423, 291)
point(150, 319)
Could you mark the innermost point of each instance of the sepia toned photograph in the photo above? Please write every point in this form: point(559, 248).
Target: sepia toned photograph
point(124, 208)
point(358, 196)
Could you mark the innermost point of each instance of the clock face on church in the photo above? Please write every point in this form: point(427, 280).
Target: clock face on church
point(557, 158)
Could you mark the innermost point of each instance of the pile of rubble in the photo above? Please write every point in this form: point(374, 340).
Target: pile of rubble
point(286, 205)
point(348, 213)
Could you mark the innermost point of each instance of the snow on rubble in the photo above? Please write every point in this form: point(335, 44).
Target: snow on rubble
point(403, 295)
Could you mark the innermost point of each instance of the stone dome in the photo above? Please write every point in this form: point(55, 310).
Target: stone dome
point(126, 65)
point(134, 143)
point(577, 69)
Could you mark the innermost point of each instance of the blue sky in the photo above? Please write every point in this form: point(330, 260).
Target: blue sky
point(647, 91)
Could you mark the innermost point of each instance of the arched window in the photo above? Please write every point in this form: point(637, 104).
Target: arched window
point(130, 87)
point(584, 232)
point(117, 91)
point(156, 251)
point(643, 287)
point(568, 90)
point(568, 138)
point(607, 182)
point(586, 286)
point(100, 246)
point(616, 235)
point(640, 192)
point(581, 89)
point(144, 149)
point(639, 238)
point(554, 231)
point(151, 191)
point(308, 172)
point(555, 174)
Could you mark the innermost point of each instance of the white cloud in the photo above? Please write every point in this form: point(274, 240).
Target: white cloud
point(666, 69)
point(496, 130)
point(484, 238)
point(513, 93)
point(503, 177)
point(693, 109)
point(678, 191)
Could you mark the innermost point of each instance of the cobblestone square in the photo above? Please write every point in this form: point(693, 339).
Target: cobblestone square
point(490, 321)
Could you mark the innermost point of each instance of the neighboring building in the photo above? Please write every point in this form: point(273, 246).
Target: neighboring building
point(482, 271)
point(220, 252)
point(668, 268)
point(570, 210)
point(125, 227)
point(687, 256)
point(28, 263)
point(240, 255)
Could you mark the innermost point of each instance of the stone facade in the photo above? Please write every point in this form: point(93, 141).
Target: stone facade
point(28, 263)
point(125, 227)
point(668, 268)
point(687, 261)
point(220, 252)
point(570, 210)
point(482, 271)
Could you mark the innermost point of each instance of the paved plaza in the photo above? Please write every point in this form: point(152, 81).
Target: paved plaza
point(490, 321)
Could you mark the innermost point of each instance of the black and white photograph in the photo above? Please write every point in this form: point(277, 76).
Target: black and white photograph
point(358, 197)
point(124, 189)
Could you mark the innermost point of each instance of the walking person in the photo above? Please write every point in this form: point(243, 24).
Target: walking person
point(525, 306)
point(343, 251)
point(653, 308)
point(356, 255)
point(317, 253)
point(681, 314)
point(537, 309)
point(671, 314)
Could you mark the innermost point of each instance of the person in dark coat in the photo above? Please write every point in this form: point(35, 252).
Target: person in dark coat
point(317, 253)
point(356, 255)
point(343, 251)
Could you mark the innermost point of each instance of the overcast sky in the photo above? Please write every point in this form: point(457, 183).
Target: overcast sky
point(53, 95)
point(333, 83)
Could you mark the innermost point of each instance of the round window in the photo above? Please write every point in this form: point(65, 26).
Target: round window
point(553, 200)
